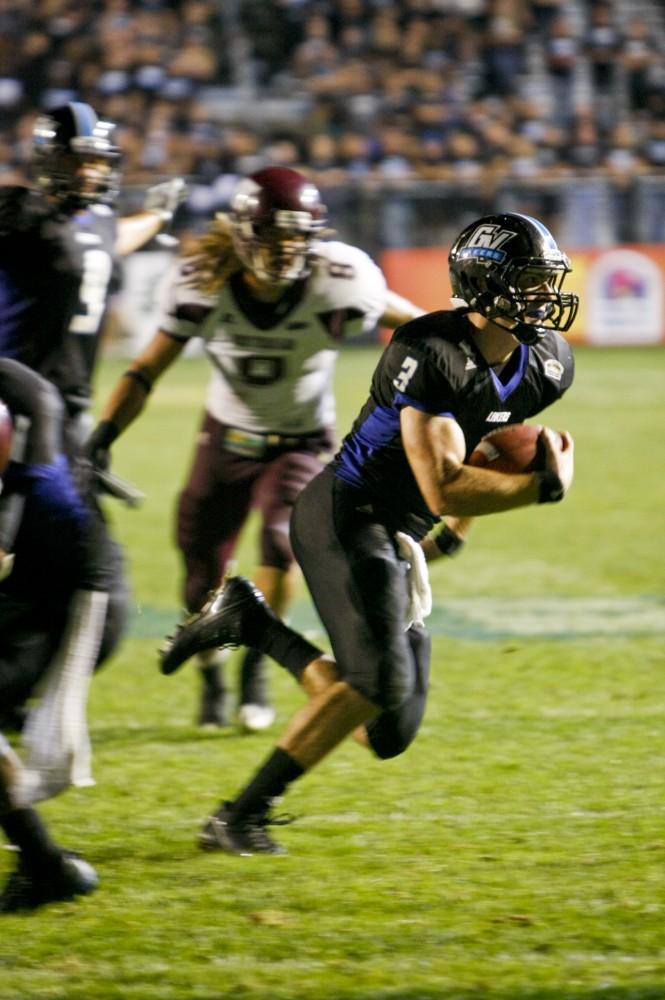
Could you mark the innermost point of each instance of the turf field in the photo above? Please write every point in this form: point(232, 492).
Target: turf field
point(517, 851)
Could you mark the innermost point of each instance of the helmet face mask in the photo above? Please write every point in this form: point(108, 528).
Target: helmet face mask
point(275, 215)
point(509, 269)
point(277, 255)
point(74, 157)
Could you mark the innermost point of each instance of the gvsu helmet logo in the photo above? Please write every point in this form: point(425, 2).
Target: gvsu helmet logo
point(485, 243)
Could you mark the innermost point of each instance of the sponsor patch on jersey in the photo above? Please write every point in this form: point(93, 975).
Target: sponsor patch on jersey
point(497, 417)
point(87, 238)
point(554, 369)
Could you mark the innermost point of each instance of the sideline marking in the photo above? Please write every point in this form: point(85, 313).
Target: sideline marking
point(487, 618)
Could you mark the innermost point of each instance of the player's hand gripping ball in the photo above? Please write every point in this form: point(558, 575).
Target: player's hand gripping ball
point(512, 449)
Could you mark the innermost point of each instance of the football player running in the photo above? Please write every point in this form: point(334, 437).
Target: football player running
point(272, 301)
point(444, 381)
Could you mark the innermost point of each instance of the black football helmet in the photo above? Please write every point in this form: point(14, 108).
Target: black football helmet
point(508, 267)
point(74, 157)
point(275, 213)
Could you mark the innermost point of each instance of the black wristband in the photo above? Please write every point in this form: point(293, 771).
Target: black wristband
point(139, 376)
point(550, 487)
point(447, 542)
point(103, 435)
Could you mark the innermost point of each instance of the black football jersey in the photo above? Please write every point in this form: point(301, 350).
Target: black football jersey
point(55, 275)
point(432, 364)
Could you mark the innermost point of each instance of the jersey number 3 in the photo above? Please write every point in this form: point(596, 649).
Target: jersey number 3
point(406, 373)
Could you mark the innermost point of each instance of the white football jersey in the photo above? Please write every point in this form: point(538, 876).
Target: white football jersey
point(274, 363)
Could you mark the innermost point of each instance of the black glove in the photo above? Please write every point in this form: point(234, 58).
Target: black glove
point(164, 198)
point(97, 448)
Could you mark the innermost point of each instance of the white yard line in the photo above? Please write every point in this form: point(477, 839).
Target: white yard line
point(487, 618)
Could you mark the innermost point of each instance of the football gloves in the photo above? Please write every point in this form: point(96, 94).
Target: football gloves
point(164, 198)
point(97, 447)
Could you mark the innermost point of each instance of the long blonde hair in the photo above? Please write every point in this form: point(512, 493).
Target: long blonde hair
point(213, 256)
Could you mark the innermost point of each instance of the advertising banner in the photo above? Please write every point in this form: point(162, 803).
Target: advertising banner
point(621, 290)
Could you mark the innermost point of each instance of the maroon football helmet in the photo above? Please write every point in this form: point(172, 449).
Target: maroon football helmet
point(274, 215)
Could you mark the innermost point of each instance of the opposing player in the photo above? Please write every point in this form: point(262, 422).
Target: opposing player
point(273, 302)
point(57, 623)
point(444, 381)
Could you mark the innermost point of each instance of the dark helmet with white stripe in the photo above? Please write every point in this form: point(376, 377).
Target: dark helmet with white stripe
point(509, 268)
point(74, 156)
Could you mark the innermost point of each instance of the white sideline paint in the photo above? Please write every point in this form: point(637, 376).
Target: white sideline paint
point(550, 617)
point(488, 618)
point(534, 617)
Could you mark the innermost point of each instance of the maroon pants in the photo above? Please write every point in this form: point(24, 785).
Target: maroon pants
point(224, 486)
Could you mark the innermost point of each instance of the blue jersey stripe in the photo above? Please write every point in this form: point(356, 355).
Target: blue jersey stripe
point(13, 307)
point(503, 391)
point(377, 431)
point(401, 399)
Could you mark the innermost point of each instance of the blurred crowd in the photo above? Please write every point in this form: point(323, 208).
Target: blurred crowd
point(361, 91)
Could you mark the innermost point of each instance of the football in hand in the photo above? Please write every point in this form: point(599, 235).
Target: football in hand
point(516, 448)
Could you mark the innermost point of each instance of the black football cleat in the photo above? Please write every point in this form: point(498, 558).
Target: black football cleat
point(25, 890)
point(227, 619)
point(244, 835)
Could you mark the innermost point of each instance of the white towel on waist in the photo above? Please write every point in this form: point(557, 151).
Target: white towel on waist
point(420, 592)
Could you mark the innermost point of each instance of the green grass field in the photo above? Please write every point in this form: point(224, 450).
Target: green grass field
point(517, 851)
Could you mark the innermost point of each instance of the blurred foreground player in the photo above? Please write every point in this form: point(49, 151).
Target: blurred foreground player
point(273, 302)
point(60, 244)
point(444, 381)
point(57, 623)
